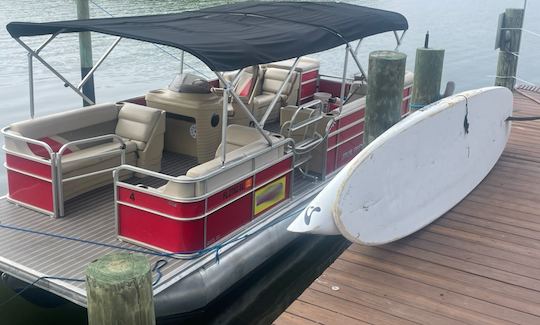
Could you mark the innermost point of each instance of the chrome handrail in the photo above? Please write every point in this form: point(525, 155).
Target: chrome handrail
point(58, 163)
point(90, 140)
point(27, 140)
point(228, 165)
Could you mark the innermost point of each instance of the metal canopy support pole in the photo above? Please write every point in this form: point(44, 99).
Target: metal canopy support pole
point(357, 47)
point(182, 62)
point(237, 98)
point(56, 73)
point(53, 36)
point(224, 123)
point(353, 54)
point(31, 84)
point(90, 73)
point(278, 94)
point(344, 76)
point(399, 39)
point(31, 73)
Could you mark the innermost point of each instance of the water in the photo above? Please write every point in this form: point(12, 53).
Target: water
point(465, 28)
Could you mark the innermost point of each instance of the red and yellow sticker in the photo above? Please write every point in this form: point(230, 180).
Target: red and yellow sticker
point(270, 194)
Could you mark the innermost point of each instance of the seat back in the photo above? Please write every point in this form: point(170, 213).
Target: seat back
point(273, 79)
point(136, 122)
point(239, 136)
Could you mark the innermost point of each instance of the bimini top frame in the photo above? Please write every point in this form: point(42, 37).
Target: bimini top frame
point(231, 37)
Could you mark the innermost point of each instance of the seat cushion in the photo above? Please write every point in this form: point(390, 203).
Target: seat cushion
point(136, 122)
point(89, 156)
point(66, 121)
point(273, 79)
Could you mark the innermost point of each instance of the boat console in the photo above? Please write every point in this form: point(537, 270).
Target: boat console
point(193, 113)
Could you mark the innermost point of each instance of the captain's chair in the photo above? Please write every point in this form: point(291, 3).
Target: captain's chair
point(272, 81)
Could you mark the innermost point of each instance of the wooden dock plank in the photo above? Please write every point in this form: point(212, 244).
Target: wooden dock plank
point(477, 264)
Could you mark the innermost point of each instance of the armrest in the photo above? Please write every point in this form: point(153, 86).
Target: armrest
point(93, 139)
point(263, 100)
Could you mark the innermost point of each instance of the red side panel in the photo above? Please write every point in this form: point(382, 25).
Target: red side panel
point(351, 132)
point(273, 172)
point(308, 89)
point(332, 141)
point(348, 150)
point(29, 166)
point(145, 200)
point(406, 102)
point(30, 190)
point(227, 219)
point(230, 193)
point(332, 87)
point(310, 75)
point(351, 118)
point(152, 229)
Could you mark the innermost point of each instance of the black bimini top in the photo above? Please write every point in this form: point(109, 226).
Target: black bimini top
point(235, 36)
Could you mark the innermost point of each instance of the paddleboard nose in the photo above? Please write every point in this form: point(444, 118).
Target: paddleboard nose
point(314, 219)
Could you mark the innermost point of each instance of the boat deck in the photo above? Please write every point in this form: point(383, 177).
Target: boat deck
point(33, 245)
point(478, 264)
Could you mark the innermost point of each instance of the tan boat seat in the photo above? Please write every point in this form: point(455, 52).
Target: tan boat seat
point(88, 157)
point(242, 142)
point(272, 81)
point(137, 122)
point(141, 128)
point(239, 136)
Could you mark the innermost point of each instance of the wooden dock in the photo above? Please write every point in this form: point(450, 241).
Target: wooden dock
point(477, 264)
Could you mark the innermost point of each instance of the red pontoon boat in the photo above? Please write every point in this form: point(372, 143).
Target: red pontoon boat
point(194, 168)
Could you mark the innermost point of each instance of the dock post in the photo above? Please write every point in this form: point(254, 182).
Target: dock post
point(85, 52)
point(428, 69)
point(385, 92)
point(508, 42)
point(119, 290)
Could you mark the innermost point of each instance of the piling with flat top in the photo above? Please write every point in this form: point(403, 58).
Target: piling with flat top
point(385, 92)
point(119, 290)
point(85, 51)
point(509, 42)
point(428, 69)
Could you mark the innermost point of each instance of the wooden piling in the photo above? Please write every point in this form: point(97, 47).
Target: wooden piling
point(119, 290)
point(428, 68)
point(385, 92)
point(510, 40)
point(85, 52)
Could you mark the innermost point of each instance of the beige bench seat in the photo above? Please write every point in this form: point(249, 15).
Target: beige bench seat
point(90, 156)
point(242, 143)
point(141, 128)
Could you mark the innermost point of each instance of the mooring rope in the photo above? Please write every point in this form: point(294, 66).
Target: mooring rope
point(158, 265)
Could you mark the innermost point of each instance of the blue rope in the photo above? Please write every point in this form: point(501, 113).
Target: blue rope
point(158, 265)
point(159, 47)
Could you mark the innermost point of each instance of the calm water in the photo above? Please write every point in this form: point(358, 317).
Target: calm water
point(465, 28)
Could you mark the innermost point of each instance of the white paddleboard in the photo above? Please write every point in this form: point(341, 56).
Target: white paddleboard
point(415, 171)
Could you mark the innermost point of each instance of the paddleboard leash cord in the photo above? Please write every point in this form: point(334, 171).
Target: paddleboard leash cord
point(466, 120)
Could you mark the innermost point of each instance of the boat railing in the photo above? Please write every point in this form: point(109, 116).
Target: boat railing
point(7, 134)
point(54, 160)
point(111, 153)
point(310, 137)
point(137, 199)
point(200, 179)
